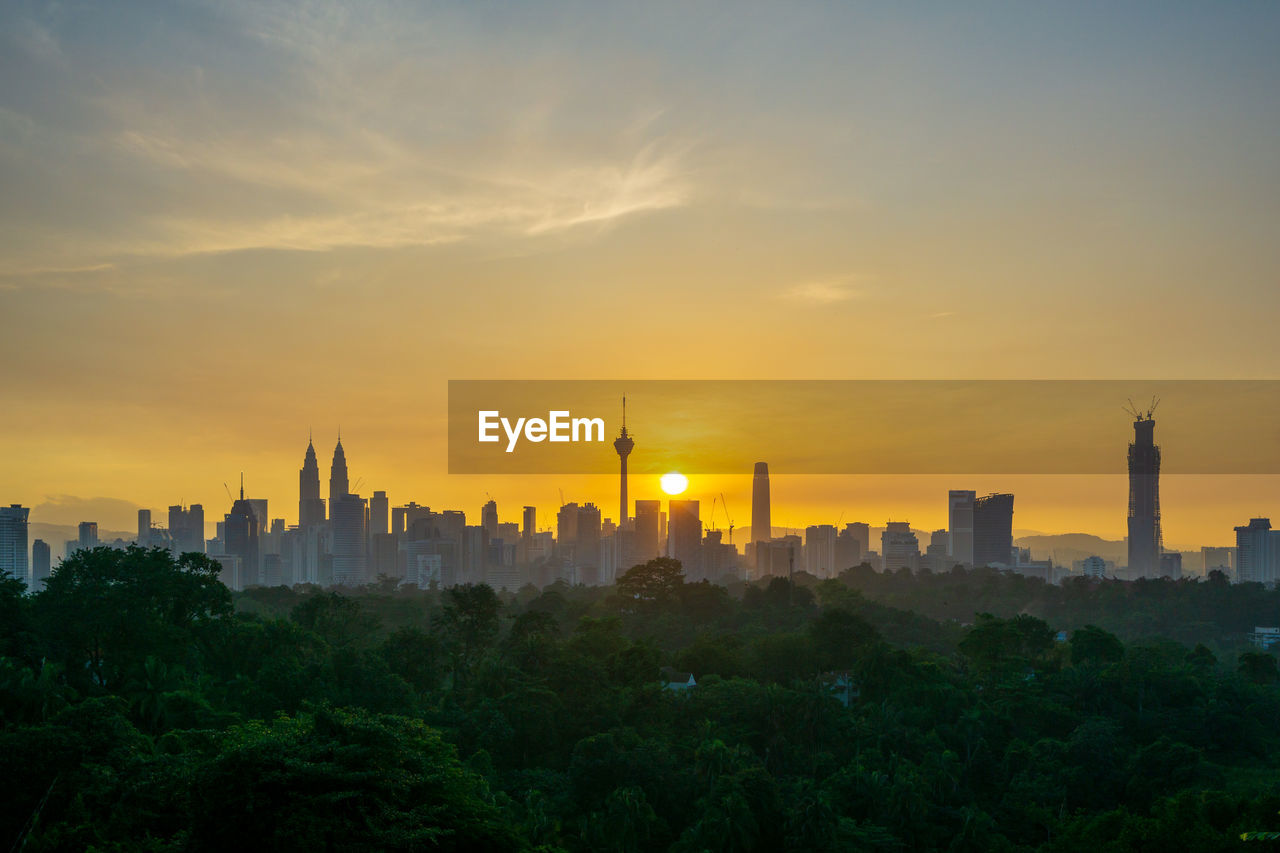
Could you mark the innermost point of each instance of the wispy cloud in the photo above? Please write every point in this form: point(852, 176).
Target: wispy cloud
point(823, 292)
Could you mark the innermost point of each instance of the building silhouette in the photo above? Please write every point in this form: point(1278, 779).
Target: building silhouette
point(349, 520)
point(186, 529)
point(623, 444)
point(311, 511)
point(761, 522)
point(13, 540)
point(820, 551)
point(87, 535)
point(1145, 542)
point(648, 532)
point(241, 533)
point(339, 486)
point(489, 519)
point(684, 536)
point(899, 547)
point(960, 524)
point(41, 564)
point(144, 527)
point(1256, 546)
point(379, 512)
point(993, 530)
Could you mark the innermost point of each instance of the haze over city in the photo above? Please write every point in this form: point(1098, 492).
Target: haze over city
point(225, 224)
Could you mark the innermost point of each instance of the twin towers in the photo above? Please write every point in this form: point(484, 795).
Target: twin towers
point(311, 507)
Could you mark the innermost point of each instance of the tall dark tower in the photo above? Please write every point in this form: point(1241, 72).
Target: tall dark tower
point(761, 524)
point(338, 484)
point(310, 506)
point(1145, 541)
point(623, 444)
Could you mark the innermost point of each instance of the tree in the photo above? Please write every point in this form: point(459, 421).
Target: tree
point(1091, 644)
point(470, 623)
point(656, 582)
point(106, 611)
point(838, 638)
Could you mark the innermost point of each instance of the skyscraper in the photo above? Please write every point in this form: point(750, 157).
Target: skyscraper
point(960, 524)
point(623, 444)
point(241, 530)
point(648, 529)
point(348, 518)
point(489, 519)
point(13, 540)
point(761, 524)
point(820, 551)
point(993, 530)
point(1254, 552)
point(338, 483)
point(41, 564)
point(311, 510)
point(88, 535)
point(186, 529)
point(684, 536)
point(1145, 542)
point(144, 527)
point(379, 514)
point(899, 547)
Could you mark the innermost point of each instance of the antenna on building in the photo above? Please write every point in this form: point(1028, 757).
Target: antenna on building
point(241, 485)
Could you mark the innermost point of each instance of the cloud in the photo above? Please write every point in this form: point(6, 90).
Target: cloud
point(823, 292)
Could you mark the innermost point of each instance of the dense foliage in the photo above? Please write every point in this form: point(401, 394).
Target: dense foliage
point(144, 707)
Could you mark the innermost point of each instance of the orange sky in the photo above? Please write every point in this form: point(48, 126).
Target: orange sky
point(226, 224)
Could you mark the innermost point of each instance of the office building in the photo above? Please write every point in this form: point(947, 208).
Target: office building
point(88, 535)
point(349, 523)
point(41, 564)
point(899, 547)
point(379, 509)
point(241, 534)
point(13, 540)
point(960, 524)
point(761, 520)
point(993, 531)
point(311, 511)
point(1254, 552)
point(684, 536)
point(820, 551)
point(186, 529)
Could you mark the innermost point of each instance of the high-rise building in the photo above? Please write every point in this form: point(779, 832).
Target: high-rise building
point(186, 529)
point(1171, 565)
point(993, 530)
point(684, 536)
point(900, 547)
point(623, 444)
point(938, 555)
point(820, 551)
point(13, 540)
point(761, 522)
point(87, 535)
point(311, 511)
point(648, 542)
point(1145, 542)
point(348, 518)
point(41, 564)
point(379, 509)
point(144, 527)
point(1093, 567)
point(851, 546)
point(1254, 544)
point(960, 524)
point(489, 519)
point(339, 486)
point(529, 523)
point(241, 531)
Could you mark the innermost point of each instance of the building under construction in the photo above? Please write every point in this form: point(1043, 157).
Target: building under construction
point(1145, 542)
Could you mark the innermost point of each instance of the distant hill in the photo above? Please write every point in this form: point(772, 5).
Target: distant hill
point(1065, 548)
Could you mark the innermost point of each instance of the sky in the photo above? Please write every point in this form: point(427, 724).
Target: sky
point(225, 224)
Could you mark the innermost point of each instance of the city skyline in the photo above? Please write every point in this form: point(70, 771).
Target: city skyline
point(817, 196)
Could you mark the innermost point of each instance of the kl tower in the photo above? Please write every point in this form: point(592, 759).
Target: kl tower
point(623, 444)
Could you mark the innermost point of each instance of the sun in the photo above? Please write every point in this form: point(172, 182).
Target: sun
point(674, 483)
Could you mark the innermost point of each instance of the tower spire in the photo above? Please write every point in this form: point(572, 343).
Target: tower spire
point(241, 485)
point(623, 444)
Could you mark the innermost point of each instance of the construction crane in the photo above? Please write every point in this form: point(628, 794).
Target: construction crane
point(725, 506)
point(1137, 414)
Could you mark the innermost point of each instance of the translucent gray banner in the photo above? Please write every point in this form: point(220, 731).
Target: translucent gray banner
point(861, 426)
